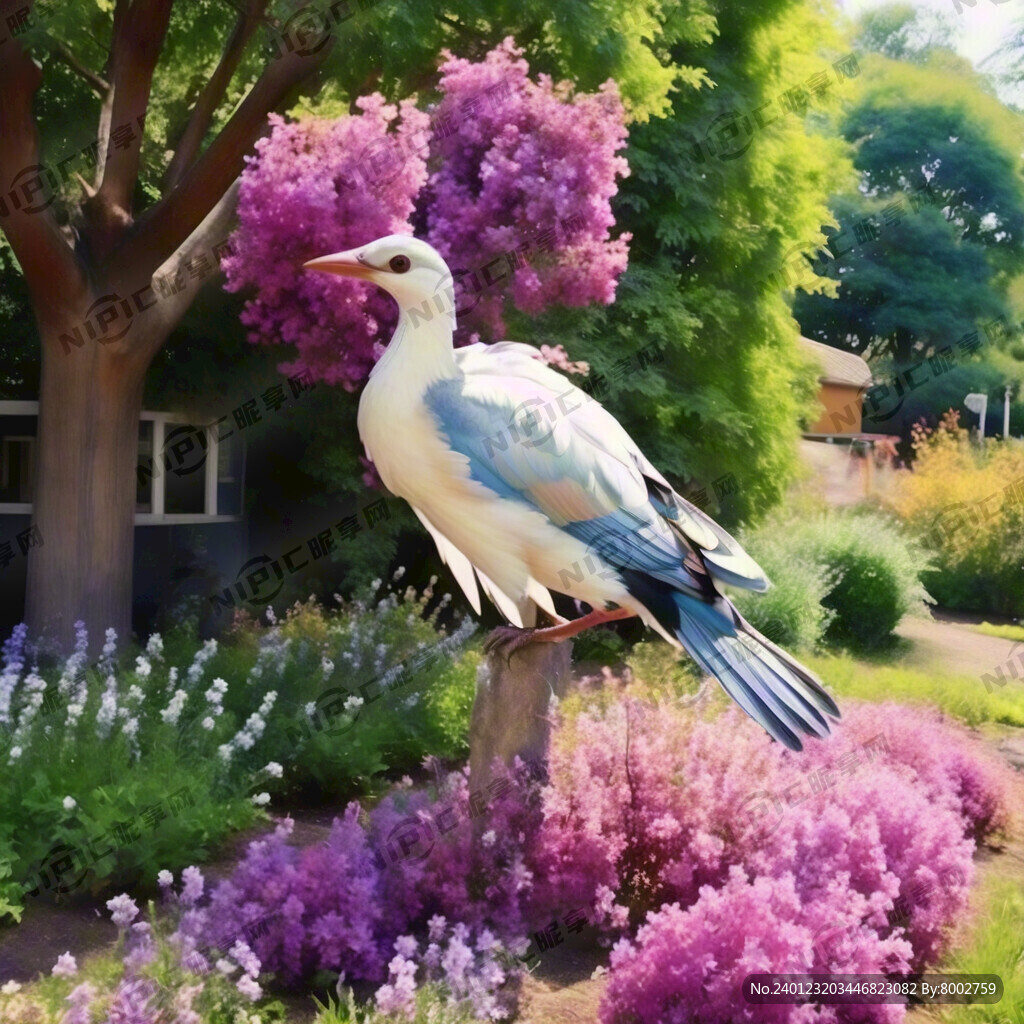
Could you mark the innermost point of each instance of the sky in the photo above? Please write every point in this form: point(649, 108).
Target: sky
point(982, 28)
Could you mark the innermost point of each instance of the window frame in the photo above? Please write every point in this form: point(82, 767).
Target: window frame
point(156, 517)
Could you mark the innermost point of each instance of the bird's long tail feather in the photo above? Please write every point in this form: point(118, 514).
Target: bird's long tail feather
point(782, 696)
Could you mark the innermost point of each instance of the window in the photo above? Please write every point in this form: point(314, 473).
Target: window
point(17, 456)
point(183, 473)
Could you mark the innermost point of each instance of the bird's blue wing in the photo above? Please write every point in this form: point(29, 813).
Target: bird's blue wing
point(530, 436)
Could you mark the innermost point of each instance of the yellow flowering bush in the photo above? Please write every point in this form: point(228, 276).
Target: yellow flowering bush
point(966, 503)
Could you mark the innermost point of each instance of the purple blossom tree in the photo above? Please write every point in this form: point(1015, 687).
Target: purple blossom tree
point(527, 171)
point(519, 206)
point(311, 189)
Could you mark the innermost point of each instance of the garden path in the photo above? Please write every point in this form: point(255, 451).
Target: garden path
point(950, 644)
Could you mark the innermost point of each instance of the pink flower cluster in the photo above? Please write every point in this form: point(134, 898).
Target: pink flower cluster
point(316, 187)
point(728, 853)
point(532, 170)
point(854, 856)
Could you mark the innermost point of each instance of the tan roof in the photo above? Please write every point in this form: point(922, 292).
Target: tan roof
point(837, 366)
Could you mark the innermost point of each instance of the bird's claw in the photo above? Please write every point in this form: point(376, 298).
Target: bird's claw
point(506, 640)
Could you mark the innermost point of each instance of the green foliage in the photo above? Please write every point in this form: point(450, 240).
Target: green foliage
point(994, 944)
point(962, 697)
point(929, 241)
point(792, 613)
point(878, 582)
point(159, 769)
point(449, 702)
point(917, 280)
point(902, 31)
point(843, 577)
point(431, 1006)
point(1006, 632)
point(729, 393)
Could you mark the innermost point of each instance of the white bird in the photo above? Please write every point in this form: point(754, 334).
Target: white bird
point(527, 485)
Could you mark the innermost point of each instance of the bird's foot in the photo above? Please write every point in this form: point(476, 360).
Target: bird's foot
point(506, 640)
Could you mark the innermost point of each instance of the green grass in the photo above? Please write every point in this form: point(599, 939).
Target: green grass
point(962, 697)
point(995, 945)
point(1006, 632)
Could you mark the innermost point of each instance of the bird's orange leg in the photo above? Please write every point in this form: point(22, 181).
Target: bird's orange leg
point(508, 639)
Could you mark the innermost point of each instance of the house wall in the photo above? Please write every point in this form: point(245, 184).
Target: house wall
point(843, 406)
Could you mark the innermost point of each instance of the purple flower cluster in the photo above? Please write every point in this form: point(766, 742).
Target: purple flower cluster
point(530, 173)
point(729, 853)
point(303, 195)
point(343, 904)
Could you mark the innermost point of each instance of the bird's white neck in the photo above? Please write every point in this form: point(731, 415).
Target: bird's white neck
point(421, 348)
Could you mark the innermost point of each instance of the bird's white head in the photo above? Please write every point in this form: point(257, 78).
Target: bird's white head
point(412, 271)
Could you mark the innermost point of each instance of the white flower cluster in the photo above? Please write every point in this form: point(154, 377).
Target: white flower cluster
point(172, 712)
point(247, 736)
point(155, 647)
point(74, 667)
point(13, 664)
point(108, 656)
point(107, 714)
point(35, 689)
point(272, 656)
point(215, 697)
point(198, 666)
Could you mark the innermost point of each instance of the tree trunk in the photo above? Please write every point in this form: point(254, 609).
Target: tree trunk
point(80, 565)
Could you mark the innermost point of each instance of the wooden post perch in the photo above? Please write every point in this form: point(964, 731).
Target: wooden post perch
point(511, 713)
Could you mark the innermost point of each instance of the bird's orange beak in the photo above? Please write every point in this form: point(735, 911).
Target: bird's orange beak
point(347, 264)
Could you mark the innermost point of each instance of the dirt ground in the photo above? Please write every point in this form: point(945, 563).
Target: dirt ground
point(956, 648)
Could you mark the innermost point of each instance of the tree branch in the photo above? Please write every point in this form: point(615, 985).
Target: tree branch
point(135, 49)
point(98, 84)
point(54, 276)
point(213, 230)
point(167, 224)
point(213, 93)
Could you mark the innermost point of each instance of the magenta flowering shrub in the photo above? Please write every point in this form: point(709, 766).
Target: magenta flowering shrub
point(342, 905)
point(529, 168)
point(690, 964)
point(871, 833)
point(695, 797)
point(940, 756)
point(654, 826)
point(313, 188)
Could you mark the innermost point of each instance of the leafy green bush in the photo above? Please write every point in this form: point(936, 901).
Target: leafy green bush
point(877, 577)
point(792, 612)
point(843, 577)
point(110, 774)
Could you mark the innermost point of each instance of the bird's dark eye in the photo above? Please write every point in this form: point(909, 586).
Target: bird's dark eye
point(399, 264)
